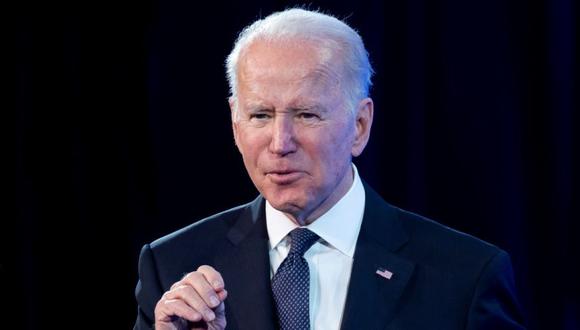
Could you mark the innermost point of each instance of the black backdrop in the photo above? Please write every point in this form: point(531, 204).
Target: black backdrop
point(122, 135)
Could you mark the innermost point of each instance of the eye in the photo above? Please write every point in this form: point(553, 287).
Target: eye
point(308, 116)
point(259, 116)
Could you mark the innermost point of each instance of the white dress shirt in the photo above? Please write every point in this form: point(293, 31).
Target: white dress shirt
point(330, 259)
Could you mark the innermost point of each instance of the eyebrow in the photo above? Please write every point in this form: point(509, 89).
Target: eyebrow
point(254, 107)
point(311, 107)
point(257, 107)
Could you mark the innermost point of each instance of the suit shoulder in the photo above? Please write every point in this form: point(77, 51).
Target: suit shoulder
point(201, 231)
point(432, 241)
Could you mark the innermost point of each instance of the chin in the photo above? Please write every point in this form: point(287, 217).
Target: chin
point(286, 204)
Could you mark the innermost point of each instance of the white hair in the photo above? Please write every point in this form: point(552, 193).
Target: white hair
point(329, 34)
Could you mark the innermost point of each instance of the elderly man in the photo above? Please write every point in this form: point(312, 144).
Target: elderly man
point(318, 249)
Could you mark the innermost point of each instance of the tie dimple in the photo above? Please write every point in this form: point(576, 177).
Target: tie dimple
point(291, 283)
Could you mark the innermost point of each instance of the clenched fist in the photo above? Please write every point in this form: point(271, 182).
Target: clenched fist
point(194, 302)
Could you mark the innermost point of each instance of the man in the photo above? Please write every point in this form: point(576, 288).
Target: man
point(318, 248)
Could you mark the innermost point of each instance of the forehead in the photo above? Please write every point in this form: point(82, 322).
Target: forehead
point(289, 62)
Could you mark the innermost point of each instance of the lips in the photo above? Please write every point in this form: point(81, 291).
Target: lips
point(284, 177)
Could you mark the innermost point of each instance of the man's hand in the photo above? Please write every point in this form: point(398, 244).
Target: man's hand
point(195, 302)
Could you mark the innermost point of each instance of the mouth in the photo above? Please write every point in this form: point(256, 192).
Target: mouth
point(284, 177)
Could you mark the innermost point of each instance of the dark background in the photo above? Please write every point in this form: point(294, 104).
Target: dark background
point(122, 135)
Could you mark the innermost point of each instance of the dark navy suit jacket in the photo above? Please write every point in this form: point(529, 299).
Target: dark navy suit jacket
point(442, 279)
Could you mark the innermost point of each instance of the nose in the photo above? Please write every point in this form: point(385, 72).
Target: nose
point(282, 139)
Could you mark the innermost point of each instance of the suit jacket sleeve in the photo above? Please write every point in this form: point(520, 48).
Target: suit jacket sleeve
point(494, 304)
point(148, 290)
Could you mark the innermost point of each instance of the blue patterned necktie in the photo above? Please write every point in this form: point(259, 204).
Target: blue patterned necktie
point(291, 283)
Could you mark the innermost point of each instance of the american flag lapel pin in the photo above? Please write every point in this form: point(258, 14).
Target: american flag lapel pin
point(384, 273)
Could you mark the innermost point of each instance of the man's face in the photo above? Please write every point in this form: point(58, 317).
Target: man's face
point(292, 129)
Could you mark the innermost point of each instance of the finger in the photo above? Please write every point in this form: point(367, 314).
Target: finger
point(198, 281)
point(220, 321)
point(212, 276)
point(222, 295)
point(191, 297)
point(167, 309)
point(220, 311)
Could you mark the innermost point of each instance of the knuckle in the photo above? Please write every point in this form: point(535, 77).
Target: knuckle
point(205, 269)
point(202, 308)
point(212, 275)
point(159, 305)
point(191, 277)
point(207, 294)
point(166, 295)
point(175, 285)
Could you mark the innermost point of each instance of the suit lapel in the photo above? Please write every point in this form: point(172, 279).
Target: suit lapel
point(372, 299)
point(246, 272)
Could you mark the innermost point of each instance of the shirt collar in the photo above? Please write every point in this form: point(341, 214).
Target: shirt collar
point(339, 226)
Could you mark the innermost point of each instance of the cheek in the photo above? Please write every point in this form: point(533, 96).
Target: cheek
point(250, 145)
point(330, 151)
point(338, 140)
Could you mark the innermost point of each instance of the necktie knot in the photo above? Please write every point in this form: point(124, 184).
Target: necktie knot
point(301, 240)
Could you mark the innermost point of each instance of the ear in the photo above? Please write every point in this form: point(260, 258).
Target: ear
point(363, 123)
point(233, 115)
